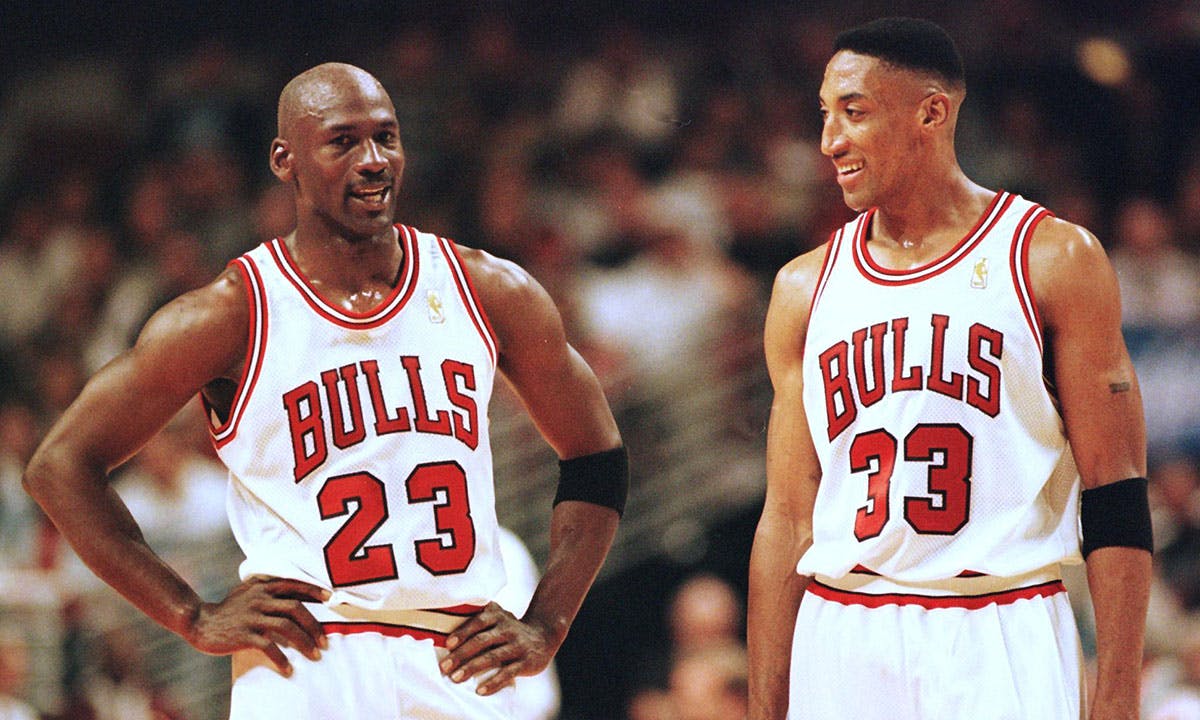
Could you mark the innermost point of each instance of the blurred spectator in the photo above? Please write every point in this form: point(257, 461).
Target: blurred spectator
point(118, 688)
point(650, 704)
point(710, 683)
point(1160, 282)
point(274, 212)
point(14, 673)
point(34, 267)
point(176, 495)
point(1188, 201)
point(170, 265)
point(1176, 491)
point(1172, 687)
point(1160, 301)
point(501, 78)
point(704, 611)
point(623, 86)
point(20, 517)
point(668, 345)
point(210, 98)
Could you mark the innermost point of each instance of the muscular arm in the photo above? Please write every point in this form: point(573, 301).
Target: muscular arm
point(198, 338)
point(568, 406)
point(1079, 302)
point(793, 473)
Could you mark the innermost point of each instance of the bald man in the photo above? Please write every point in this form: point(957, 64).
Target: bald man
point(346, 370)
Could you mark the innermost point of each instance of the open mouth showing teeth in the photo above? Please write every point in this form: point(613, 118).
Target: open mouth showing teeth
point(847, 169)
point(370, 195)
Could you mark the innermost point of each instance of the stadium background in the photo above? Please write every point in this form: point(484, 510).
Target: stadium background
point(652, 164)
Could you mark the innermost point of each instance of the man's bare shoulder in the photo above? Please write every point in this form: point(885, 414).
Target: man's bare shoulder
point(206, 327)
point(1069, 271)
point(791, 303)
point(518, 308)
point(223, 299)
point(797, 280)
point(494, 276)
point(1065, 255)
point(1061, 240)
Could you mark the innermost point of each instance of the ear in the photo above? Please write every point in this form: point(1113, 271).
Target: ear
point(281, 160)
point(935, 110)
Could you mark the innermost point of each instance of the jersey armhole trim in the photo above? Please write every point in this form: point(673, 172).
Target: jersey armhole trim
point(470, 298)
point(1019, 263)
point(256, 342)
point(832, 246)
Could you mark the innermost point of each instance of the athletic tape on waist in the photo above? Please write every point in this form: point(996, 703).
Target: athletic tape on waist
point(432, 625)
point(931, 602)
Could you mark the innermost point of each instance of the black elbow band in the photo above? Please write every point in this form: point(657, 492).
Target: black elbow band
point(600, 478)
point(1117, 515)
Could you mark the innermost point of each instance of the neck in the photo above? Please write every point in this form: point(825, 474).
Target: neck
point(931, 211)
point(347, 263)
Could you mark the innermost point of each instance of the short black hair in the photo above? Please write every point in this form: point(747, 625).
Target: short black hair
point(907, 43)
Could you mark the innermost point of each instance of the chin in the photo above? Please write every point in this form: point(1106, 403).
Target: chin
point(376, 223)
point(856, 201)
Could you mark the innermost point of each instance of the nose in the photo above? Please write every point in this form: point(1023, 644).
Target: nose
point(373, 159)
point(833, 140)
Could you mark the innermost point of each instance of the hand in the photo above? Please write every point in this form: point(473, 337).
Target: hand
point(494, 639)
point(262, 613)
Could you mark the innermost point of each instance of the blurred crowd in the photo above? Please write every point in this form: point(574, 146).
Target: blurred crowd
point(652, 168)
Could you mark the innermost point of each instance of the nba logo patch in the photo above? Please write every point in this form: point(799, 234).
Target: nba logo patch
point(979, 274)
point(435, 307)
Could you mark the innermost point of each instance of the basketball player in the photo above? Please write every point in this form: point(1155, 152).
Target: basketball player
point(346, 370)
point(952, 394)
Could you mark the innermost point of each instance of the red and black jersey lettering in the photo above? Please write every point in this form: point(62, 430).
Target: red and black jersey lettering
point(336, 416)
point(855, 375)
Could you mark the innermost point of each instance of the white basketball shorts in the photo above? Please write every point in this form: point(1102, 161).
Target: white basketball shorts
point(370, 670)
point(983, 648)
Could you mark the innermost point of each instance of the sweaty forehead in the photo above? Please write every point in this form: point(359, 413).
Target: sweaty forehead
point(331, 95)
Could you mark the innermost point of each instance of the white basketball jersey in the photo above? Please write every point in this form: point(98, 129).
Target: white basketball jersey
point(357, 443)
point(942, 450)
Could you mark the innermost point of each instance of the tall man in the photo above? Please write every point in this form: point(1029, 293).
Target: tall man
point(346, 369)
point(948, 371)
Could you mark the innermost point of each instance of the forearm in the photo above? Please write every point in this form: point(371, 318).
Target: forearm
point(98, 526)
point(1119, 580)
point(774, 599)
point(580, 536)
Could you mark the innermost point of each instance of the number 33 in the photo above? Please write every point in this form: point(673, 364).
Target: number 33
point(874, 452)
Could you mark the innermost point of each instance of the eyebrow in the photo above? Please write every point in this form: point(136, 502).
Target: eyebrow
point(347, 126)
point(846, 98)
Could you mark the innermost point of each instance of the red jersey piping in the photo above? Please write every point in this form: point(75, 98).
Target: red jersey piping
point(880, 275)
point(466, 291)
point(832, 247)
point(256, 343)
point(387, 309)
point(1019, 263)
point(934, 602)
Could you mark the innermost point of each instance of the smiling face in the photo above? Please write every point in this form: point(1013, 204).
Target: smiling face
point(339, 147)
point(875, 128)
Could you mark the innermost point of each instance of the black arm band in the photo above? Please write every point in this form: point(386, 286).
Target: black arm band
point(1117, 515)
point(600, 478)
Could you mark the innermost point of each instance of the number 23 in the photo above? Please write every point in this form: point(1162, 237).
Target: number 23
point(351, 561)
